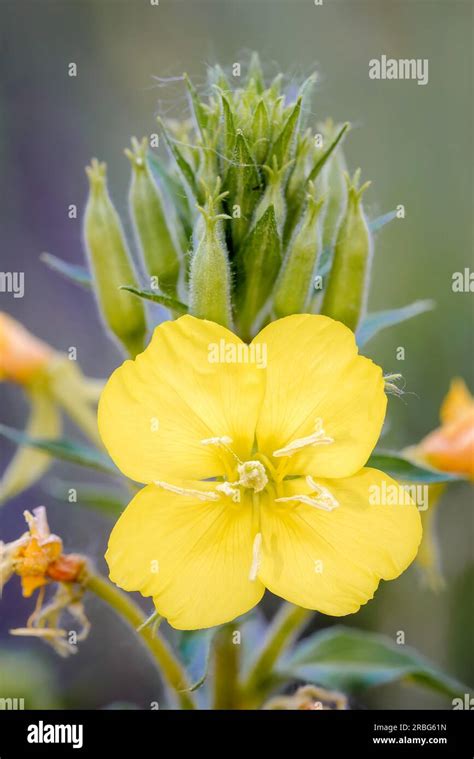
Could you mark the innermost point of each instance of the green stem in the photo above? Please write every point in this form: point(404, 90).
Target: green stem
point(167, 664)
point(226, 669)
point(286, 626)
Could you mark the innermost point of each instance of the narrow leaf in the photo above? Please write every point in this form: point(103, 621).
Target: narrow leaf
point(324, 158)
point(375, 322)
point(163, 300)
point(381, 221)
point(63, 449)
point(402, 468)
point(78, 274)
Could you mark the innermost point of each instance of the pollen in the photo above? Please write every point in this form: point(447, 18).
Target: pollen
point(252, 474)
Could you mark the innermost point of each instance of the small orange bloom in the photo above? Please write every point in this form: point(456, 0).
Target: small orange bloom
point(37, 557)
point(451, 446)
point(21, 354)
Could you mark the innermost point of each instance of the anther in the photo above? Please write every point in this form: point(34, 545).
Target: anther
point(318, 437)
point(201, 495)
point(256, 557)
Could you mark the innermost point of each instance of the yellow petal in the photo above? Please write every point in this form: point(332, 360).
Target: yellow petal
point(315, 373)
point(332, 561)
point(29, 464)
point(155, 411)
point(457, 401)
point(194, 557)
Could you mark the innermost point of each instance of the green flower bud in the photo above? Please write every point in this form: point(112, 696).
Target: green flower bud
point(111, 264)
point(273, 196)
point(293, 288)
point(255, 73)
point(257, 269)
point(260, 131)
point(336, 190)
point(346, 291)
point(159, 250)
point(243, 183)
point(210, 272)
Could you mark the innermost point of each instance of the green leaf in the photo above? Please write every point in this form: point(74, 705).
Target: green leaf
point(351, 660)
point(78, 274)
point(107, 500)
point(324, 158)
point(163, 300)
point(402, 468)
point(375, 322)
point(381, 221)
point(63, 449)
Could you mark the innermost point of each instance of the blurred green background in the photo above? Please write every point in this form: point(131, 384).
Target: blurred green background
point(414, 142)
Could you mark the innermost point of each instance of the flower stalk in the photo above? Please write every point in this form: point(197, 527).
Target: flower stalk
point(289, 621)
point(167, 664)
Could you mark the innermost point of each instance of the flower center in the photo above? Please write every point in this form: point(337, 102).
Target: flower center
point(252, 474)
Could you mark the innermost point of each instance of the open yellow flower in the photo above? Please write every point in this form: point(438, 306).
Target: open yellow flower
point(254, 471)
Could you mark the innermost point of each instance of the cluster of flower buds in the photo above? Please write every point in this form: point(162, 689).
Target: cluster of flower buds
point(239, 219)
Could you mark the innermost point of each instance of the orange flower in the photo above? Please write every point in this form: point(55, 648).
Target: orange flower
point(451, 446)
point(21, 354)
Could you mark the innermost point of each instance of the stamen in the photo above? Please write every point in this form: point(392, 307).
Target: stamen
point(256, 557)
point(324, 499)
point(227, 489)
point(217, 440)
point(318, 437)
point(201, 495)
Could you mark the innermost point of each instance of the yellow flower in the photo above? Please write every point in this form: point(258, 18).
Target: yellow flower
point(254, 471)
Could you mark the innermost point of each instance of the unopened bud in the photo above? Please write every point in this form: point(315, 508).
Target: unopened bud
point(111, 264)
point(210, 273)
point(294, 285)
point(346, 291)
point(159, 250)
